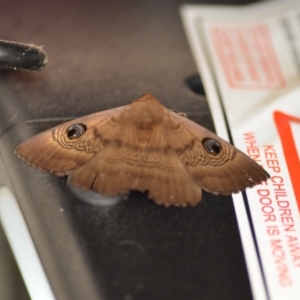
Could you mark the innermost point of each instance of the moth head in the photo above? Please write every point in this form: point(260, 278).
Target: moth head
point(212, 146)
point(146, 111)
point(75, 131)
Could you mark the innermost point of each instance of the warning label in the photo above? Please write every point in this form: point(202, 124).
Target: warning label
point(247, 56)
point(278, 217)
point(249, 59)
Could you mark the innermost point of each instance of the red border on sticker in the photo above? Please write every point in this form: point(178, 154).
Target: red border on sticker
point(247, 56)
point(283, 125)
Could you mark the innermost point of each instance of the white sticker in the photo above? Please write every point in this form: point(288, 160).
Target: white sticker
point(249, 60)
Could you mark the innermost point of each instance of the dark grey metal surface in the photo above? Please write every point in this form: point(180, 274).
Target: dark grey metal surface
point(104, 54)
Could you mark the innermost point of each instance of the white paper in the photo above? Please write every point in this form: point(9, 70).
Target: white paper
point(249, 60)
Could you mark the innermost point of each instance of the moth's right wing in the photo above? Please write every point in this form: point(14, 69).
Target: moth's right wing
point(53, 150)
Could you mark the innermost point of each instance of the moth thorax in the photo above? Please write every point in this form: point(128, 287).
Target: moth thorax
point(145, 115)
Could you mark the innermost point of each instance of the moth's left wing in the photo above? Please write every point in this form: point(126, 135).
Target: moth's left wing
point(223, 170)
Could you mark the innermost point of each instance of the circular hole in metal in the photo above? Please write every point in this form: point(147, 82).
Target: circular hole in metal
point(195, 84)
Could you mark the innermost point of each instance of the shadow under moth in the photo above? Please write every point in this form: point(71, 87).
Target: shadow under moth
point(145, 147)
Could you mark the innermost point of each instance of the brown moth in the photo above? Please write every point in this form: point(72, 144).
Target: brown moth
point(146, 147)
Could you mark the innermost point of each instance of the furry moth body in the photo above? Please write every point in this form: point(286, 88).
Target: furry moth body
point(145, 147)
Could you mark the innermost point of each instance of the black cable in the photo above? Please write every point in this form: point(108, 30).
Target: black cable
point(21, 57)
